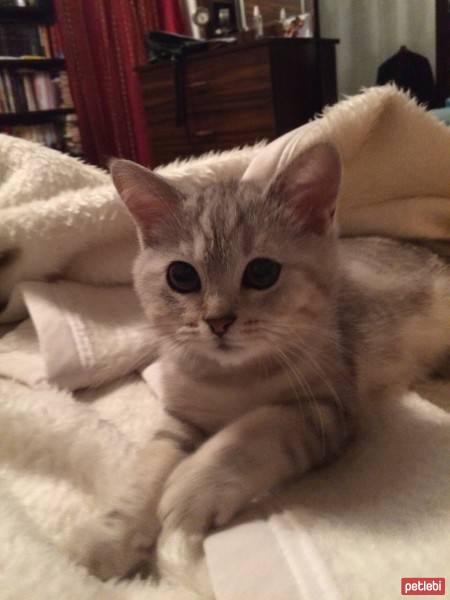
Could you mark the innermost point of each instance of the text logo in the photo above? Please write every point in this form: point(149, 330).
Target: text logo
point(423, 586)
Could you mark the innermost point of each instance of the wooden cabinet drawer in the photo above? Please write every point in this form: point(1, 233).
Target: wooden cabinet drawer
point(235, 95)
point(157, 85)
point(168, 138)
point(227, 128)
point(229, 102)
point(236, 79)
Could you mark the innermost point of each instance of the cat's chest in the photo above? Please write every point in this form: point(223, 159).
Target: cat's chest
point(212, 404)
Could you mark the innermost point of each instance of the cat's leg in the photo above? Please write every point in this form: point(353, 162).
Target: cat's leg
point(246, 459)
point(122, 538)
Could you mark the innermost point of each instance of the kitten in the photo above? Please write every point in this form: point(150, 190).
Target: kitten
point(272, 335)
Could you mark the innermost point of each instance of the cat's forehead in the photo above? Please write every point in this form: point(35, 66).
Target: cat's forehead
point(219, 224)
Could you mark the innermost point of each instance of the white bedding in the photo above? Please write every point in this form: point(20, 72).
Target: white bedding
point(351, 530)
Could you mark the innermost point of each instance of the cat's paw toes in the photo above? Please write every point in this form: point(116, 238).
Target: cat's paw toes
point(106, 560)
point(195, 500)
point(110, 550)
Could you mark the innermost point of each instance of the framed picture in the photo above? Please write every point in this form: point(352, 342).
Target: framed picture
point(224, 17)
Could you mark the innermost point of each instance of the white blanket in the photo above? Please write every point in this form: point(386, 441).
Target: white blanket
point(60, 217)
point(349, 531)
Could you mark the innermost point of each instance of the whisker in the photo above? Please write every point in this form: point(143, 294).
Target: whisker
point(280, 359)
point(302, 352)
point(310, 395)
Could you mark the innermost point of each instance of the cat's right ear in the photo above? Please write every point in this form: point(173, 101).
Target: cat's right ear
point(151, 201)
point(309, 186)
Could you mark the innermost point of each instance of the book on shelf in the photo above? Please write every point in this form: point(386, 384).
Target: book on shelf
point(72, 137)
point(63, 90)
point(9, 92)
point(41, 41)
point(56, 43)
point(44, 38)
point(49, 134)
point(17, 40)
point(45, 91)
point(26, 90)
point(29, 91)
point(62, 134)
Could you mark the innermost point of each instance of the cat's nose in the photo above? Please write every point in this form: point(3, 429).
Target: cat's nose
point(220, 325)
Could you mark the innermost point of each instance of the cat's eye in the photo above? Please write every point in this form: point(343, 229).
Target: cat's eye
point(183, 278)
point(261, 273)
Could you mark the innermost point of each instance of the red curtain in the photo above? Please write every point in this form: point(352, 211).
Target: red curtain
point(170, 16)
point(103, 43)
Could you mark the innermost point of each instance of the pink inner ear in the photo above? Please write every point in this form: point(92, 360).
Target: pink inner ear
point(146, 207)
point(310, 184)
point(148, 197)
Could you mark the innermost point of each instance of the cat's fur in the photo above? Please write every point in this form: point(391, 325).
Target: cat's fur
point(280, 393)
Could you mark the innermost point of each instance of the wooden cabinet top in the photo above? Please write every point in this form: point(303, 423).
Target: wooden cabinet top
point(235, 94)
point(240, 47)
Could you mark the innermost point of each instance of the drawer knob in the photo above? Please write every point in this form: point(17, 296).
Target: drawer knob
point(198, 86)
point(204, 133)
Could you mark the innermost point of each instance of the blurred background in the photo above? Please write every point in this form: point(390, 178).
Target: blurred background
point(114, 78)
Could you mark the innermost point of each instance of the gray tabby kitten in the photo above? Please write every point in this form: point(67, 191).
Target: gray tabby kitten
point(272, 335)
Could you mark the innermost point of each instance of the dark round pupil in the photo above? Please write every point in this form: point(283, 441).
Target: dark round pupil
point(182, 277)
point(261, 273)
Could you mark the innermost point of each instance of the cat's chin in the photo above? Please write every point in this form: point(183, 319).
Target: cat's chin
point(226, 355)
point(220, 352)
point(229, 357)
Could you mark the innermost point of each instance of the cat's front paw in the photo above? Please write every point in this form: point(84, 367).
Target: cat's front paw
point(197, 498)
point(113, 547)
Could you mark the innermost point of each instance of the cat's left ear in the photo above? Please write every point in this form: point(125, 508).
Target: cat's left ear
point(309, 186)
point(151, 200)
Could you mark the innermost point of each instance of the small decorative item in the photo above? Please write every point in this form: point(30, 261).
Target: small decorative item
point(306, 29)
point(224, 21)
point(299, 26)
point(201, 18)
point(223, 18)
point(284, 23)
point(258, 26)
point(240, 14)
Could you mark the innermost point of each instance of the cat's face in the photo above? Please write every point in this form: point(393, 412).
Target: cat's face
point(235, 274)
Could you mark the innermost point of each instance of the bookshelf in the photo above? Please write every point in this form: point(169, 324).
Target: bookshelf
point(33, 117)
point(35, 99)
point(43, 64)
point(42, 15)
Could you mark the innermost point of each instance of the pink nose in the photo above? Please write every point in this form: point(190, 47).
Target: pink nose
point(221, 325)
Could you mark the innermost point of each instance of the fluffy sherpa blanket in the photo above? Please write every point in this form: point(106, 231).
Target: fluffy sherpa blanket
point(351, 530)
point(60, 217)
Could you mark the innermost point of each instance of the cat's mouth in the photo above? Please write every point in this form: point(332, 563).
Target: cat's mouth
point(224, 345)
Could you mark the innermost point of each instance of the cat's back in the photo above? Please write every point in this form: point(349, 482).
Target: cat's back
point(393, 307)
point(368, 261)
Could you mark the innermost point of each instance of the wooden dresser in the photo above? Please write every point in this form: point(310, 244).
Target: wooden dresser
point(235, 95)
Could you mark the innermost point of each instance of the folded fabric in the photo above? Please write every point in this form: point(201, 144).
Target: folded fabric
point(77, 336)
point(21, 358)
point(396, 164)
